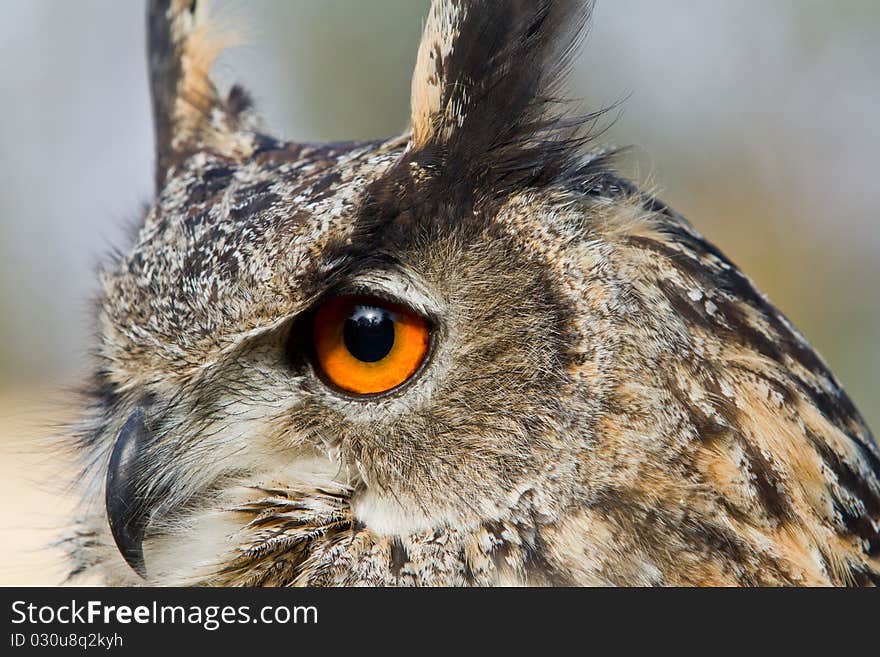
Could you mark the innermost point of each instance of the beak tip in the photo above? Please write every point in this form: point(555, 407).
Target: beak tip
point(127, 512)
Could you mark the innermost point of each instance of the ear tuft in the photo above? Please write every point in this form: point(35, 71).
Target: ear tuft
point(487, 80)
point(188, 111)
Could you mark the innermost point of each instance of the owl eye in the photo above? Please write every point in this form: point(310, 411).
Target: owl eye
point(367, 346)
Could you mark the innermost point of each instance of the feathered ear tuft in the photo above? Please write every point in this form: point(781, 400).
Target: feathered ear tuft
point(487, 80)
point(188, 112)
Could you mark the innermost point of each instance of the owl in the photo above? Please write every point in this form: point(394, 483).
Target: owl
point(471, 354)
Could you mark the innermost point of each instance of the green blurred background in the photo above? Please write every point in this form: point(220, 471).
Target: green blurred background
point(758, 120)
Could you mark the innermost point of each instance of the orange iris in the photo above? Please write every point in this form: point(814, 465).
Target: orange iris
point(367, 346)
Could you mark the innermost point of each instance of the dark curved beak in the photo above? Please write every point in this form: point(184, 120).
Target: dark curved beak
point(127, 511)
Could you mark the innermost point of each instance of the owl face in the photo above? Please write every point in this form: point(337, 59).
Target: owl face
point(423, 367)
point(471, 354)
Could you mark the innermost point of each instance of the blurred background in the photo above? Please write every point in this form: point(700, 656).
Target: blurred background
point(758, 120)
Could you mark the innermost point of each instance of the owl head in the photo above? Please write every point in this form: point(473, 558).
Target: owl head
point(469, 354)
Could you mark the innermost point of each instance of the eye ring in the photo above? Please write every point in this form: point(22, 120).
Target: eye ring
point(364, 346)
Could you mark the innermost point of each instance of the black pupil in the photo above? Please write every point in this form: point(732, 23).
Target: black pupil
point(369, 333)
